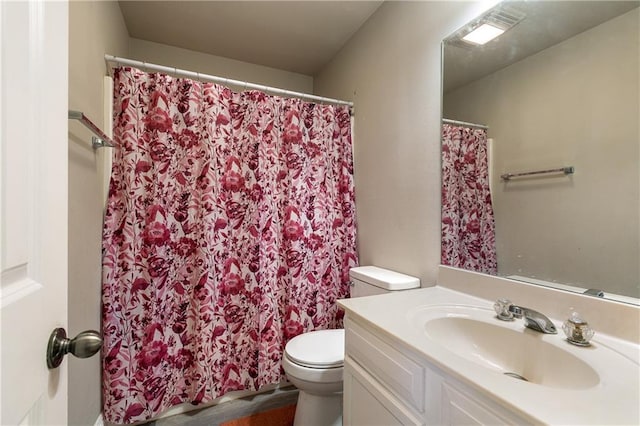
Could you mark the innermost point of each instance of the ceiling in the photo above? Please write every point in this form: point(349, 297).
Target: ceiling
point(297, 36)
point(546, 23)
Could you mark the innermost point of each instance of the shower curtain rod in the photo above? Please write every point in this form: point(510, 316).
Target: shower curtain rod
point(464, 123)
point(222, 80)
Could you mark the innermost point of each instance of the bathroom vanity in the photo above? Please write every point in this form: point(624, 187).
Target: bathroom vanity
point(388, 383)
point(440, 356)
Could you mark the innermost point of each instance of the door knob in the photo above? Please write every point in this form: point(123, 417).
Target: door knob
point(83, 345)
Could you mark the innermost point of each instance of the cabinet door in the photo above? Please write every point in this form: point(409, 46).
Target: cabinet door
point(367, 403)
point(364, 409)
point(401, 375)
point(461, 408)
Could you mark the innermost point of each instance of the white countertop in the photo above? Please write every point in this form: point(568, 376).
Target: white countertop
point(615, 399)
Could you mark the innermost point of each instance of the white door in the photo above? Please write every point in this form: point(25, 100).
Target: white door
point(33, 208)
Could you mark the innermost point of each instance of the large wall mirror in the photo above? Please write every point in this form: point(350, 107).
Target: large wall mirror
point(553, 104)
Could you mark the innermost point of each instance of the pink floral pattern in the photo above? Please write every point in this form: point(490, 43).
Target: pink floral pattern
point(468, 228)
point(230, 228)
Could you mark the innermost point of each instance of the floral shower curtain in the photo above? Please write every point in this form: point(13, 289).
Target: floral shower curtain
point(468, 229)
point(230, 229)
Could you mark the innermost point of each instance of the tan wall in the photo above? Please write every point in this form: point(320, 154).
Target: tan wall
point(162, 54)
point(94, 28)
point(576, 103)
point(391, 68)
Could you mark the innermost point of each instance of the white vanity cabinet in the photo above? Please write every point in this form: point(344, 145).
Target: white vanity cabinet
point(386, 383)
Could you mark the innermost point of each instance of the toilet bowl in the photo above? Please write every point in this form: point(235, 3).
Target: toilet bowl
point(314, 361)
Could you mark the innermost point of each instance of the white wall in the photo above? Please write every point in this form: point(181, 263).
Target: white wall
point(391, 68)
point(576, 103)
point(162, 54)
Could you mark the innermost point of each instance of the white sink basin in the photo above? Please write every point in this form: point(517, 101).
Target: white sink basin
point(520, 354)
point(506, 347)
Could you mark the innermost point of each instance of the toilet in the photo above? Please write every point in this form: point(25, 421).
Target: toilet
point(314, 361)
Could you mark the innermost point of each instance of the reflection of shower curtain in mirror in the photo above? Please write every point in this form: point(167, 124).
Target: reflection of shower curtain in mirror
point(468, 229)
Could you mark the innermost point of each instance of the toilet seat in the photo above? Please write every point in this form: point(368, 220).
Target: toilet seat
point(317, 349)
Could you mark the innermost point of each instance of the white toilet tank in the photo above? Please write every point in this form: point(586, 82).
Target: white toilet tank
point(370, 280)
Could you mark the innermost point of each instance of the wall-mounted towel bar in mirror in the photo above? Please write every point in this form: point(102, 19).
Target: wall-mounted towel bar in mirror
point(100, 140)
point(566, 170)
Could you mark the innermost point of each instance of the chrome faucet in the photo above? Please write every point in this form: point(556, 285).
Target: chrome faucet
point(507, 311)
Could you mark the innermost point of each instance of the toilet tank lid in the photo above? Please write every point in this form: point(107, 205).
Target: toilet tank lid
point(384, 278)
